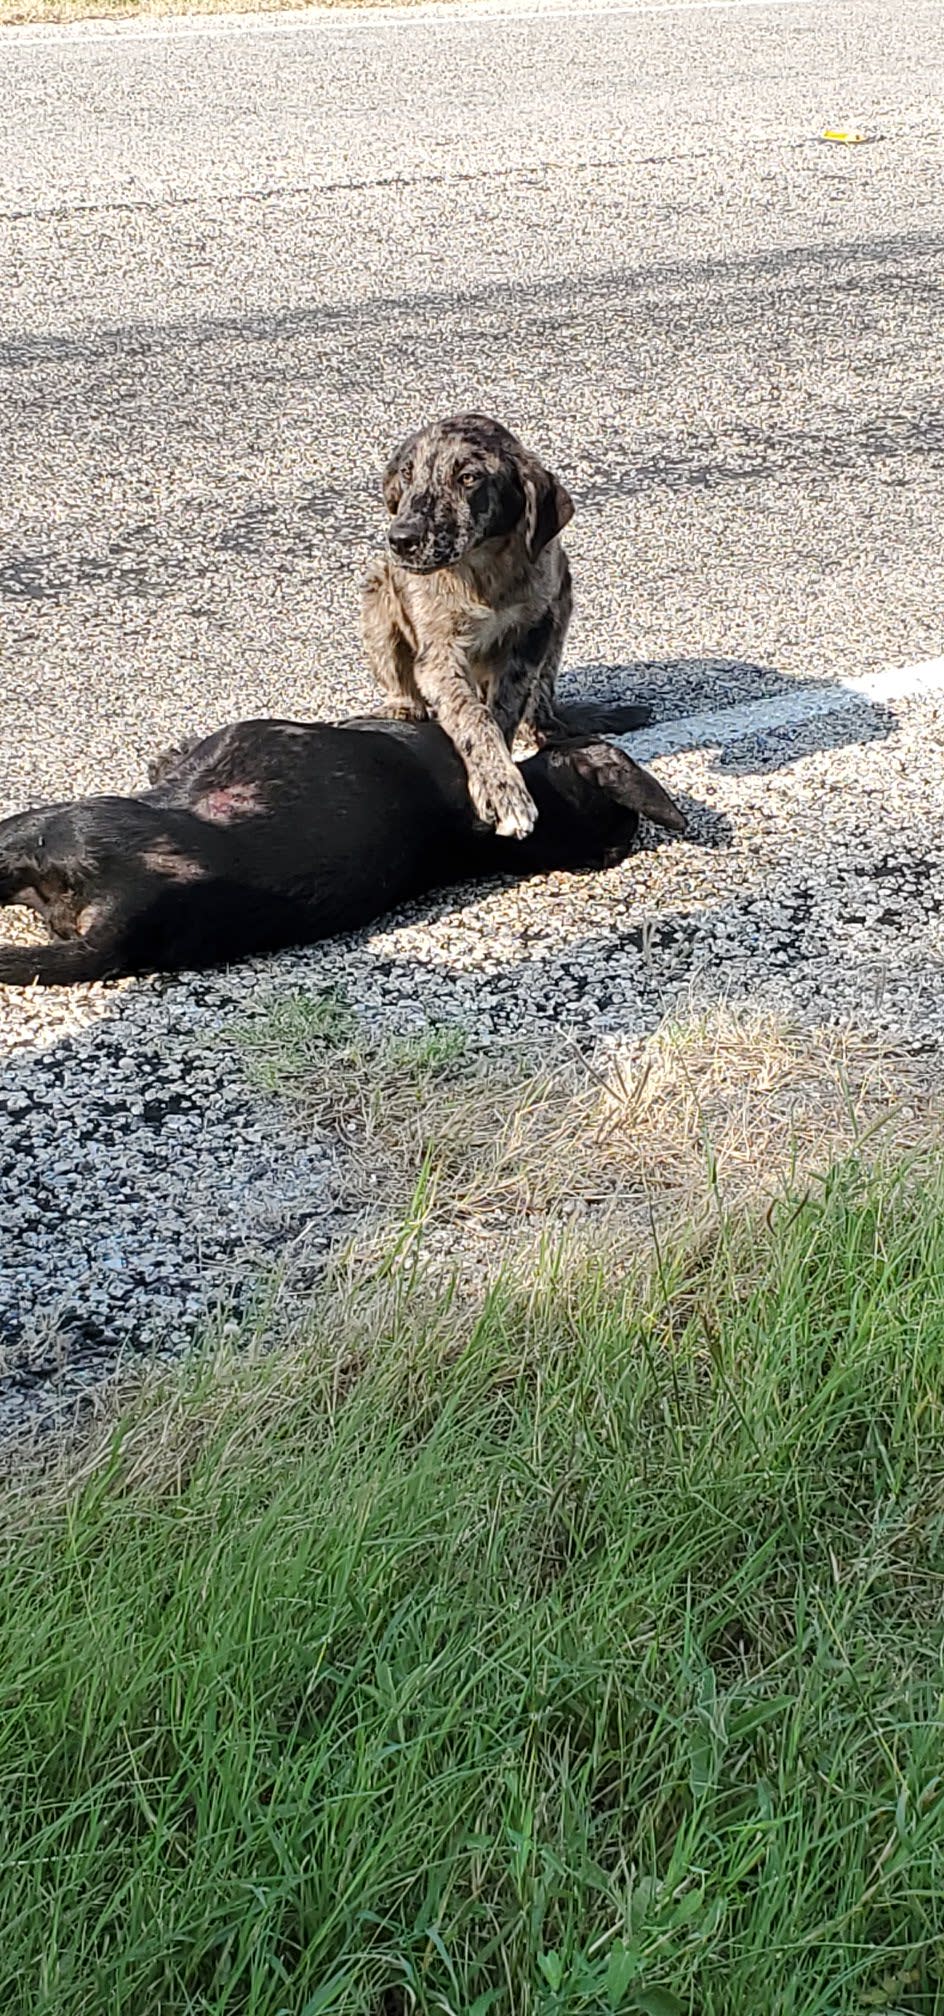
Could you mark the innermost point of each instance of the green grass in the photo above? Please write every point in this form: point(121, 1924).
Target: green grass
point(584, 1655)
point(287, 1047)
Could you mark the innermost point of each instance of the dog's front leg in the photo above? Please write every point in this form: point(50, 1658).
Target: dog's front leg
point(513, 689)
point(389, 653)
point(523, 691)
point(496, 787)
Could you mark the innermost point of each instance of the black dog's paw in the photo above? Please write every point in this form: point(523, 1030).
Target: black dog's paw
point(589, 717)
point(163, 765)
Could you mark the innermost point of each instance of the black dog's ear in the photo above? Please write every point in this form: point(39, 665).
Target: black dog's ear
point(547, 507)
point(393, 477)
point(615, 773)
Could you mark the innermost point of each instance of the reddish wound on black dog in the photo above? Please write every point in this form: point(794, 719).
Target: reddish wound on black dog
point(228, 803)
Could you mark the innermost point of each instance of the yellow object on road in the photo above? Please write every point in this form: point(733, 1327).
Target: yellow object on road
point(847, 135)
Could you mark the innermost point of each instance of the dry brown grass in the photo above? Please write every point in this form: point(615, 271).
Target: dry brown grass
point(462, 1167)
point(481, 1155)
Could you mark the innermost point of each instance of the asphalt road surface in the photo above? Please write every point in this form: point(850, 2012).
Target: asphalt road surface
point(242, 256)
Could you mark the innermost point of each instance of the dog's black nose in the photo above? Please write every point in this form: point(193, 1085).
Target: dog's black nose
point(406, 536)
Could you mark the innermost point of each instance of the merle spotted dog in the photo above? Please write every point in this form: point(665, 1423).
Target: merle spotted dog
point(277, 833)
point(465, 616)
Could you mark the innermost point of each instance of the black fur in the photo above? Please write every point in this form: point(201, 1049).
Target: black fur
point(276, 833)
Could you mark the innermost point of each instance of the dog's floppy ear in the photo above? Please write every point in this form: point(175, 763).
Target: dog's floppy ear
point(547, 506)
point(393, 475)
point(615, 773)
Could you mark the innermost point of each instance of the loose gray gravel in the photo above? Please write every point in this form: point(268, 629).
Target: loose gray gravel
point(238, 259)
point(143, 1186)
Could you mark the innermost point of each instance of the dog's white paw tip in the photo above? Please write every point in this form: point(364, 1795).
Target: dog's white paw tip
point(514, 829)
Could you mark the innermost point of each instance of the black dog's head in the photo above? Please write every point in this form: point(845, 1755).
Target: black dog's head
point(458, 483)
point(591, 796)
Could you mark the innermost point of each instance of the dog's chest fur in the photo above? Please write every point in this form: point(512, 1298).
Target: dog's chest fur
point(487, 604)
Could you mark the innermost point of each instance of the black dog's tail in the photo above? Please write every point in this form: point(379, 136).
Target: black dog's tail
point(60, 965)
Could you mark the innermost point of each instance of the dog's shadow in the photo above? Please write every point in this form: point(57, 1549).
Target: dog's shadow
point(705, 826)
point(753, 717)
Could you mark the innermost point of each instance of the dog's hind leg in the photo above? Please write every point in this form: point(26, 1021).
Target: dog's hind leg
point(64, 964)
point(554, 720)
point(546, 644)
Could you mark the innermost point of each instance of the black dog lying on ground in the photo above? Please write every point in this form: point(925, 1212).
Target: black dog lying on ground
point(275, 833)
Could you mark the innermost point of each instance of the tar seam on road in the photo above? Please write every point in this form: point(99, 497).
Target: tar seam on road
point(343, 20)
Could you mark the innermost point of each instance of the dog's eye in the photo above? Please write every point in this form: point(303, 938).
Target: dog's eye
point(469, 478)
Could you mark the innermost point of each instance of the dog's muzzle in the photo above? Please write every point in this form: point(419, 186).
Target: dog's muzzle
point(407, 539)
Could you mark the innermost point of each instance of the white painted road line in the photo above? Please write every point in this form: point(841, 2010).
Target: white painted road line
point(166, 28)
point(720, 727)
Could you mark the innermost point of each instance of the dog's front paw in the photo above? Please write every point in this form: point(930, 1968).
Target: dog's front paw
point(507, 804)
point(402, 710)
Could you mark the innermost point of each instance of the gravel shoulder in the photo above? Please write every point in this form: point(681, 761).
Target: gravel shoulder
point(155, 1189)
point(230, 285)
